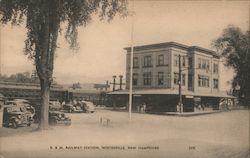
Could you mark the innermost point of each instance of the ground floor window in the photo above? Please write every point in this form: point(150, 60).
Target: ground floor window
point(160, 78)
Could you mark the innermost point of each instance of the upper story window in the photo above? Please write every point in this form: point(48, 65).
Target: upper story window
point(135, 79)
point(160, 78)
point(216, 68)
point(176, 60)
point(216, 83)
point(147, 78)
point(135, 62)
point(203, 64)
point(147, 61)
point(203, 81)
point(183, 60)
point(160, 60)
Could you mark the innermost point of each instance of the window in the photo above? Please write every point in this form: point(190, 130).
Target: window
point(176, 60)
point(135, 79)
point(176, 78)
point(183, 61)
point(160, 78)
point(203, 81)
point(216, 83)
point(203, 64)
point(215, 70)
point(147, 61)
point(160, 60)
point(135, 62)
point(199, 63)
point(147, 77)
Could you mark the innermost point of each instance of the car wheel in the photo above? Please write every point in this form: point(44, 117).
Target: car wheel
point(28, 124)
point(53, 122)
point(68, 123)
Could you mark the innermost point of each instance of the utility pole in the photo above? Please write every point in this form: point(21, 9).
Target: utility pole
point(120, 76)
point(131, 65)
point(114, 82)
point(180, 96)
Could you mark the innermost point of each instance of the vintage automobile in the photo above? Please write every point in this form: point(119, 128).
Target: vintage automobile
point(22, 104)
point(14, 116)
point(55, 106)
point(58, 117)
point(88, 107)
point(78, 107)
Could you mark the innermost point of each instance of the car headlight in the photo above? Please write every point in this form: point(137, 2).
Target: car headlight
point(19, 116)
point(59, 115)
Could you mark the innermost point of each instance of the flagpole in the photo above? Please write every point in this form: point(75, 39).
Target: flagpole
point(131, 64)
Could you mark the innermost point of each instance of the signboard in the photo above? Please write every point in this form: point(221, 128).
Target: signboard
point(197, 99)
point(189, 96)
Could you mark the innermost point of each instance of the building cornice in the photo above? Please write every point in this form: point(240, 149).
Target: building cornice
point(174, 45)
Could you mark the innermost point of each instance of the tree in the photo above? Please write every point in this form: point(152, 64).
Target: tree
point(233, 45)
point(44, 20)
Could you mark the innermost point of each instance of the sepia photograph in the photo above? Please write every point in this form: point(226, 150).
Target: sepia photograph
point(124, 79)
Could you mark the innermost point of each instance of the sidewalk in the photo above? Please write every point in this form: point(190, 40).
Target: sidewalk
point(184, 114)
point(187, 114)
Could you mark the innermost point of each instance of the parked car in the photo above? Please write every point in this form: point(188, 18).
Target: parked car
point(78, 107)
point(23, 104)
point(14, 116)
point(58, 117)
point(55, 106)
point(88, 106)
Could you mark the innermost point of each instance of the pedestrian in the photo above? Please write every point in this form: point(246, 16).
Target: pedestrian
point(144, 106)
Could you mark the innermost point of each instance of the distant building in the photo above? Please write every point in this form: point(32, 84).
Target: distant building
point(156, 76)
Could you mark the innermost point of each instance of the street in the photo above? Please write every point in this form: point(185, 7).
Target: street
point(220, 135)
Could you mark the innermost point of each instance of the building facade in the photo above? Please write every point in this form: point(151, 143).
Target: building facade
point(157, 66)
point(156, 82)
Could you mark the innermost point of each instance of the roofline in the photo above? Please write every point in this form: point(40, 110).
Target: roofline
point(173, 44)
point(157, 45)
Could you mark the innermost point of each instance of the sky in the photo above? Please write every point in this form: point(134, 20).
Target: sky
point(101, 54)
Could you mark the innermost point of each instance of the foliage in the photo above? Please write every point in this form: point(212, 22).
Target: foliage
point(233, 44)
point(18, 77)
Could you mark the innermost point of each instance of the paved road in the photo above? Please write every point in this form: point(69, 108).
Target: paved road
point(220, 135)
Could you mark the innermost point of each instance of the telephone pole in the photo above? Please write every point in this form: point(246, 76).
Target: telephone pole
point(180, 96)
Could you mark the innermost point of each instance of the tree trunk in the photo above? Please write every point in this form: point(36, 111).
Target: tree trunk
point(45, 95)
point(45, 72)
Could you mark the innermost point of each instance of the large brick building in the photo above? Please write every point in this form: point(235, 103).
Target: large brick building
point(157, 66)
point(156, 76)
